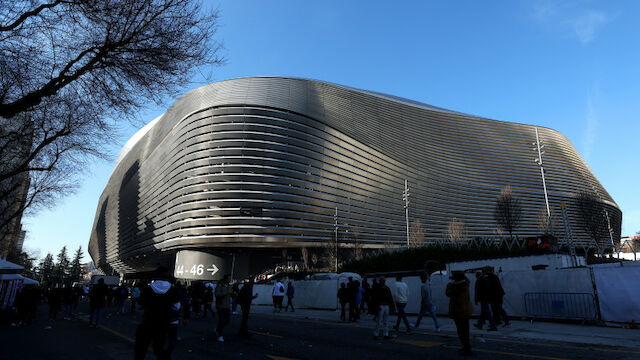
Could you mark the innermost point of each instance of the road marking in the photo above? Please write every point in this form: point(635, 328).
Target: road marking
point(265, 334)
point(425, 344)
point(509, 353)
point(274, 357)
point(85, 319)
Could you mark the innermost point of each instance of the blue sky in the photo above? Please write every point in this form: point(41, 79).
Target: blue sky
point(568, 65)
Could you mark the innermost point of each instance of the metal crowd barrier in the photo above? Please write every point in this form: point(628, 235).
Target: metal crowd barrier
point(573, 306)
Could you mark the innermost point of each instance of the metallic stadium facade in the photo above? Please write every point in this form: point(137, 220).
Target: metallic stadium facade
point(262, 164)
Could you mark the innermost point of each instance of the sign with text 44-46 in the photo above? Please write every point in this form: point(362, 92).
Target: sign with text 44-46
point(198, 265)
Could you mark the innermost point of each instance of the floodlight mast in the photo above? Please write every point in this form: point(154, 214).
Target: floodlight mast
point(405, 197)
point(539, 147)
point(335, 220)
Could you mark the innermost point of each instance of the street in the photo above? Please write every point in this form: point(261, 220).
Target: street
point(275, 336)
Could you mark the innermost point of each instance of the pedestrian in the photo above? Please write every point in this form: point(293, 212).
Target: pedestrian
point(278, 296)
point(235, 290)
point(135, 296)
point(483, 296)
point(383, 300)
point(174, 321)
point(352, 290)
point(67, 301)
point(365, 296)
point(497, 298)
point(372, 306)
point(460, 308)
point(185, 302)
point(97, 299)
point(223, 305)
point(245, 297)
point(54, 299)
point(359, 296)
point(401, 299)
point(208, 301)
point(157, 300)
point(290, 294)
point(343, 299)
point(426, 304)
point(197, 297)
point(77, 293)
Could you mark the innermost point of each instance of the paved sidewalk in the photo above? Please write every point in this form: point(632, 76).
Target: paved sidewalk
point(583, 335)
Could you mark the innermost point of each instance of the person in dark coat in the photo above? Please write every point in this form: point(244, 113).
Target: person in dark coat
point(208, 302)
point(67, 301)
point(497, 297)
point(484, 296)
point(290, 293)
point(365, 297)
point(352, 289)
point(245, 297)
point(160, 302)
point(383, 299)
point(97, 300)
point(460, 308)
point(54, 297)
point(343, 299)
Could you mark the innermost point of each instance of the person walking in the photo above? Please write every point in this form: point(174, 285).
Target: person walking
point(135, 295)
point(290, 294)
point(223, 305)
point(158, 301)
point(365, 296)
point(235, 290)
point(426, 304)
point(54, 297)
point(460, 308)
point(245, 297)
point(483, 296)
point(208, 301)
point(67, 301)
point(278, 296)
point(401, 298)
point(359, 296)
point(497, 298)
point(383, 300)
point(343, 299)
point(352, 290)
point(97, 301)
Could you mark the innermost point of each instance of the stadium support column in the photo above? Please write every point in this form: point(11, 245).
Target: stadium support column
point(335, 220)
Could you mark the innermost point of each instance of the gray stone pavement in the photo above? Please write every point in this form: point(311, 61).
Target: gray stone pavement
point(580, 335)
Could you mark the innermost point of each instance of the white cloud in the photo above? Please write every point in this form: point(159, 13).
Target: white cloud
point(570, 18)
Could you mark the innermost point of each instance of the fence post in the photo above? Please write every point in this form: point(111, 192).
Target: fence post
point(595, 294)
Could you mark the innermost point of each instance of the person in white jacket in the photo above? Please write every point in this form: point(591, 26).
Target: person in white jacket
point(278, 296)
point(401, 296)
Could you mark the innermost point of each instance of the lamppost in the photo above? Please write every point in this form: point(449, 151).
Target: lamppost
point(405, 197)
point(335, 222)
point(539, 146)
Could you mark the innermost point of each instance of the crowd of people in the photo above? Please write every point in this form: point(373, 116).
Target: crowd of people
point(166, 304)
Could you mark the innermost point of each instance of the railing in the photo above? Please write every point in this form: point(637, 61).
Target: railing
point(573, 306)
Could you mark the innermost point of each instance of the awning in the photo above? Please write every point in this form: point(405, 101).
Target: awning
point(7, 267)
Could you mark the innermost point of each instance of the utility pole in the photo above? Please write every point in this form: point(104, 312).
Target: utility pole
point(405, 197)
point(538, 148)
point(335, 222)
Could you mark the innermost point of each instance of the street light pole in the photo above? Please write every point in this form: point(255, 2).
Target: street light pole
point(539, 148)
point(335, 220)
point(405, 197)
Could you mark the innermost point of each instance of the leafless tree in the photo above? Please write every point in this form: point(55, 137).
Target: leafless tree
point(543, 222)
point(71, 70)
point(331, 251)
point(592, 218)
point(416, 234)
point(456, 231)
point(305, 257)
point(508, 211)
point(358, 248)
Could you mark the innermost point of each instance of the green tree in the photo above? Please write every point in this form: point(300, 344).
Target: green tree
point(45, 271)
point(61, 269)
point(75, 269)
